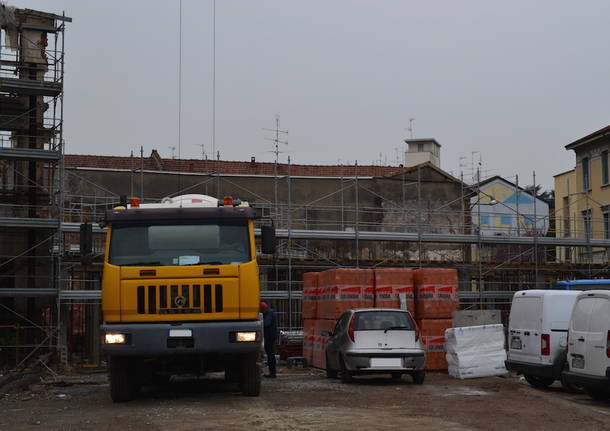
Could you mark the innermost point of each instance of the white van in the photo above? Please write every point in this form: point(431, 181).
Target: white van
point(589, 343)
point(537, 335)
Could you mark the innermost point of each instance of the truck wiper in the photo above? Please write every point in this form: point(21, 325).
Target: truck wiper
point(210, 263)
point(143, 264)
point(391, 328)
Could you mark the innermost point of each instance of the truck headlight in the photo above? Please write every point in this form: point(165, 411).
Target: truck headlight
point(248, 336)
point(111, 338)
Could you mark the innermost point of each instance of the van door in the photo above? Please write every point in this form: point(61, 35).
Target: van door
point(588, 335)
point(525, 324)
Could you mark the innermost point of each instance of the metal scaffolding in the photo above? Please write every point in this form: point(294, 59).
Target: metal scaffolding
point(31, 178)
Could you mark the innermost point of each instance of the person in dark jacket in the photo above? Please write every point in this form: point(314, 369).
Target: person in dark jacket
point(270, 335)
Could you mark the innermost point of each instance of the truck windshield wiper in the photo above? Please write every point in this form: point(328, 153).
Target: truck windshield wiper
point(391, 328)
point(210, 263)
point(143, 264)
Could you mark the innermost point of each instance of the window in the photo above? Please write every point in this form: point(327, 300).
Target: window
point(585, 174)
point(605, 167)
point(485, 220)
point(505, 220)
point(566, 217)
point(606, 225)
point(528, 221)
point(382, 320)
point(586, 217)
point(420, 148)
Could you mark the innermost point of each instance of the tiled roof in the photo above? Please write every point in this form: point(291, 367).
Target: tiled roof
point(156, 163)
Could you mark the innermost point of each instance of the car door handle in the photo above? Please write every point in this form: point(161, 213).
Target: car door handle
point(581, 339)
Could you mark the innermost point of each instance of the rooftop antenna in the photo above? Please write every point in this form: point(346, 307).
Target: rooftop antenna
point(203, 154)
point(173, 148)
point(410, 129)
point(276, 150)
point(276, 140)
point(474, 166)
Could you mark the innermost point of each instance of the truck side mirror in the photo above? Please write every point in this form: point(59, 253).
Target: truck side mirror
point(268, 239)
point(86, 243)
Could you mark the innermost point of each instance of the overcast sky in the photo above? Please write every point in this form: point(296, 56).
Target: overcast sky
point(513, 80)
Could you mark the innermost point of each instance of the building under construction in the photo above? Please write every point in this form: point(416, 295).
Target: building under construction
point(326, 216)
point(31, 149)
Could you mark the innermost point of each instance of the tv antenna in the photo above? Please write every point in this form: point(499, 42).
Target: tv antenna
point(173, 148)
point(410, 128)
point(203, 154)
point(276, 140)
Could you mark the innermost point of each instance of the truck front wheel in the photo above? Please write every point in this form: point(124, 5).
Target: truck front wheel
point(124, 383)
point(250, 375)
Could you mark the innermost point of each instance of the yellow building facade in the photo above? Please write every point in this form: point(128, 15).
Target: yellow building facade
point(582, 198)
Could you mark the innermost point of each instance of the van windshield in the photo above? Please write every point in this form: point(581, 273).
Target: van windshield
point(179, 244)
point(382, 320)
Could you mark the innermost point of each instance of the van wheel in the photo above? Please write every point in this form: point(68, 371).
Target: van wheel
point(396, 377)
point(250, 376)
point(419, 376)
point(570, 387)
point(539, 382)
point(598, 394)
point(124, 383)
point(330, 373)
point(346, 375)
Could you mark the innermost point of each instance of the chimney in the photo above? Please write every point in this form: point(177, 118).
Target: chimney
point(157, 159)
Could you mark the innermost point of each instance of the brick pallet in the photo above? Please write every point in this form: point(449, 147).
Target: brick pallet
point(436, 297)
point(430, 294)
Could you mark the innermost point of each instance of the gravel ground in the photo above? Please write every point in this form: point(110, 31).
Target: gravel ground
point(304, 400)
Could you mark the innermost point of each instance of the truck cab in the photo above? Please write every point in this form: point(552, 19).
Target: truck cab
point(181, 293)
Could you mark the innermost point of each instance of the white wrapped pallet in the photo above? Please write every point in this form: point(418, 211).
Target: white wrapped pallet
point(475, 351)
point(474, 338)
point(467, 366)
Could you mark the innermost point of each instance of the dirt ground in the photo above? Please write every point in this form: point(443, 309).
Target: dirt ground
point(304, 400)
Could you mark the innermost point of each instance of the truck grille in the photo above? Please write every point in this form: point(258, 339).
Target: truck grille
point(180, 299)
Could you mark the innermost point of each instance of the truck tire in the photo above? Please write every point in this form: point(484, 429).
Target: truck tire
point(123, 379)
point(250, 376)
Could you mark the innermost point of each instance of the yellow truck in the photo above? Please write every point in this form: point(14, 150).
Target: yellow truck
point(181, 292)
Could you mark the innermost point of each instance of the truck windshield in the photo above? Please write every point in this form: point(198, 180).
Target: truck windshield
point(179, 245)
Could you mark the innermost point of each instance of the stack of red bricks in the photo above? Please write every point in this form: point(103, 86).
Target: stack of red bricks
point(436, 297)
point(431, 295)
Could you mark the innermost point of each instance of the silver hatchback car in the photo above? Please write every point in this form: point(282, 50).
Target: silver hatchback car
point(375, 341)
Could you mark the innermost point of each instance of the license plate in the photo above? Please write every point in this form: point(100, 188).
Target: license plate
point(515, 343)
point(180, 332)
point(578, 362)
point(386, 363)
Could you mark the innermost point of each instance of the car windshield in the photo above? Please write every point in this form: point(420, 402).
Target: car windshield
point(382, 320)
point(180, 245)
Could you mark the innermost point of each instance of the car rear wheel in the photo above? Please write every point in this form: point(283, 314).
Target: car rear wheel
point(346, 375)
point(539, 382)
point(598, 394)
point(419, 377)
point(330, 372)
point(570, 387)
point(396, 376)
